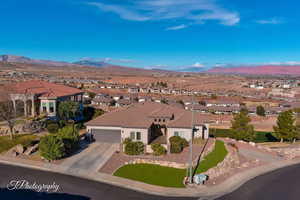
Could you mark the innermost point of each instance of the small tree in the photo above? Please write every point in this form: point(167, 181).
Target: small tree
point(70, 137)
point(51, 147)
point(7, 112)
point(285, 128)
point(68, 110)
point(260, 110)
point(241, 128)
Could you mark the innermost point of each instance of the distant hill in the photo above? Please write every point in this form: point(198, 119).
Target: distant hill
point(259, 70)
point(80, 66)
point(92, 63)
point(23, 59)
point(192, 69)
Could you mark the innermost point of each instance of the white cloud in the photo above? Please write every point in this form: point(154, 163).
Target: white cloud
point(270, 21)
point(122, 12)
point(199, 65)
point(174, 28)
point(193, 11)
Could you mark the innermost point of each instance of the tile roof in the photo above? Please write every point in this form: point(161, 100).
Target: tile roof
point(141, 115)
point(43, 89)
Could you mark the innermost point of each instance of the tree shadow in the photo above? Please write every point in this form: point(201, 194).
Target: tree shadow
point(271, 138)
point(33, 195)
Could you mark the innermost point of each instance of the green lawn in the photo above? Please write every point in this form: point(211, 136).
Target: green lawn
point(213, 158)
point(153, 174)
point(6, 143)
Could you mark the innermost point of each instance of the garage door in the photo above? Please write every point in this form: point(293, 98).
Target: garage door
point(110, 136)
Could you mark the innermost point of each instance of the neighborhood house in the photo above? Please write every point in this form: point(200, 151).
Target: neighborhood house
point(148, 122)
point(41, 97)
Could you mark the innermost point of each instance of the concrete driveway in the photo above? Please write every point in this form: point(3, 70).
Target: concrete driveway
point(92, 158)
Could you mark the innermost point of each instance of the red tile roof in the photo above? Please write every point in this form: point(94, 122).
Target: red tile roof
point(141, 115)
point(43, 89)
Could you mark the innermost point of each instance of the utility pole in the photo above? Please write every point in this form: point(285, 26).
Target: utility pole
point(191, 145)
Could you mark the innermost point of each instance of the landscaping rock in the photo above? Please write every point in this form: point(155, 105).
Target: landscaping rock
point(252, 144)
point(12, 152)
point(31, 149)
point(19, 148)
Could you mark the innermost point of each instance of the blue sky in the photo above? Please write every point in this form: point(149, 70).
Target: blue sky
point(154, 33)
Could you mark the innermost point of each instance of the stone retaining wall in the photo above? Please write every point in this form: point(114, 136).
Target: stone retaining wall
point(157, 162)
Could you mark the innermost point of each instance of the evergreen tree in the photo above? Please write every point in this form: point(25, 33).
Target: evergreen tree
point(285, 128)
point(68, 110)
point(241, 128)
point(260, 110)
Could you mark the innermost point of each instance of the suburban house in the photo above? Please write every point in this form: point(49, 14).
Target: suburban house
point(41, 97)
point(148, 122)
point(224, 103)
point(213, 109)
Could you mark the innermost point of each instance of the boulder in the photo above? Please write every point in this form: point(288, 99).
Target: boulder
point(12, 152)
point(31, 149)
point(19, 148)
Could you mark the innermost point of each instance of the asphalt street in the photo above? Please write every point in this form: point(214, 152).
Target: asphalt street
point(277, 185)
point(70, 187)
point(282, 184)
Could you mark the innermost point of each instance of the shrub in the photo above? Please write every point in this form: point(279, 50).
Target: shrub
point(51, 147)
point(158, 149)
point(134, 148)
point(70, 137)
point(177, 144)
point(176, 148)
point(80, 125)
point(52, 127)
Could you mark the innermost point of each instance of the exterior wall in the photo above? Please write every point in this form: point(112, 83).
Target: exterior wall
point(47, 103)
point(186, 133)
point(183, 132)
point(125, 132)
point(144, 134)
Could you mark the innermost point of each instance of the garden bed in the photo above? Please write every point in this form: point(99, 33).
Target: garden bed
point(25, 139)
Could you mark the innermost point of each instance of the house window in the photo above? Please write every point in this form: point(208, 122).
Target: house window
point(44, 107)
point(138, 135)
point(176, 133)
point(132, 135)
point(51, 107)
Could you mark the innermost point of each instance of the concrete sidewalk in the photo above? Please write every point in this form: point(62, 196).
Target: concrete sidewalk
point(211, 192)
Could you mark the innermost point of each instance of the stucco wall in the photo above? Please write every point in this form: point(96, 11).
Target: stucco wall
point(144, 133)
point(186, 133)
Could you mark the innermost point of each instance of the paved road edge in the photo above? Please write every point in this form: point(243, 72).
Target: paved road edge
point(212, 192)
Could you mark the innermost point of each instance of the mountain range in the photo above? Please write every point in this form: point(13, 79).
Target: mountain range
point(252, 70)
point(258, 70)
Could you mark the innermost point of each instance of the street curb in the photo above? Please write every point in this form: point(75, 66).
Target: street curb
point(212, 192)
